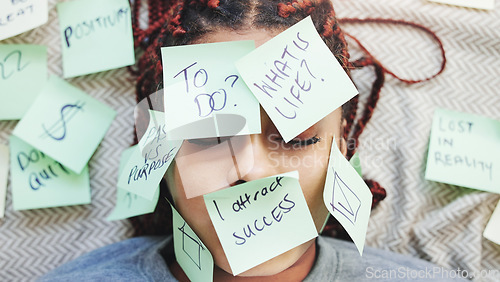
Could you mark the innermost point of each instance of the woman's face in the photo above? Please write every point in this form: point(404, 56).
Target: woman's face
point(256, 156)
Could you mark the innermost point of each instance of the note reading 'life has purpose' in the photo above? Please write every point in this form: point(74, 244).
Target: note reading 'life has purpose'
point(464, 150)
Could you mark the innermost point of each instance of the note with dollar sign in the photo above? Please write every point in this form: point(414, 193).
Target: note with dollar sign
point(65, 123)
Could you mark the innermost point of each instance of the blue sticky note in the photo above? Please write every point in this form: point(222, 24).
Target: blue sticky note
point(38, 181)
point(96, 35)
point(65, 123)
point(23, 72)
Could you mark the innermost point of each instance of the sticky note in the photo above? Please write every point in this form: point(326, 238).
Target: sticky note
point(65, 123)
point(38, 181)
point(144, 170)
point(207, 165)
point(129, 204)
point(492, 230)
point(202, 83)
point(190, 252)
point(258, 220)
point(18, 16)
point(478, 4)
point(296, 79)
point(355, 162)
point(95, 36)
point(23, 72)
point(4, 171)
point(464, 150)
point(155, 132)
point(347, 197)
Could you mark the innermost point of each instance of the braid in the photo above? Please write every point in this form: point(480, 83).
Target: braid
point(284, 10)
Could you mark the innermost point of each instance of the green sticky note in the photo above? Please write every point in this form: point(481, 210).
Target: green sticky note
point(127, 203)
point(464, 150)
point(39, 181)
point(23, 71)
point(355, 162)
point(145, 169)
point(65, 123)
point(95, 36)
point(347, 197)
point(296, 79)
point(18, 16)
point(204, 93)
point(4, 172)
point(258, 220)
point(190, 252)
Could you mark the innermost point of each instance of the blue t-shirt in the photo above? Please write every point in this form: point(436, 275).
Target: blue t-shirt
point(140, 259)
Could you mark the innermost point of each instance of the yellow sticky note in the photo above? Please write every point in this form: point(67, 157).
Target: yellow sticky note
point(18, 16)
point(347, 197)
point(478, 4)
point(4, 171)
point(492, 230)
point(464, 150)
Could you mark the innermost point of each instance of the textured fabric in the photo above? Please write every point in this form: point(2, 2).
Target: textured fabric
point(140, 259)
point(434, 221)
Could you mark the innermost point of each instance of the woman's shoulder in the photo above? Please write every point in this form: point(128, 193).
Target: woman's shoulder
point(135, 259)
point(340, 260)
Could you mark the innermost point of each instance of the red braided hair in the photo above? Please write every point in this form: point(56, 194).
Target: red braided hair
point(178, 22)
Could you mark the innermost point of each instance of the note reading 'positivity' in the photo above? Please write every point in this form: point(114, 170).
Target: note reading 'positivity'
point(39, 181)
point(23, 72)
point(258, 220)
point(95, 39)
point(65, 123)
point(190, 252)
point(347, 197)
point(129, 204)
point(18, 16)
point(464, 150)
point(296, 78)
point(201, 84)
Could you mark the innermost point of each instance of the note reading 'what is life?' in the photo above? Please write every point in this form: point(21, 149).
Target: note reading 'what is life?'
point(65, 123)
point(202, 87)
point(190, 252)
point(95, 36)
point(39, 181)
point(347, 197)
point(129, 204)
point(261, 219)
point(296, 78)
point(18, 16)
point(464, 150)
point(23, 72)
